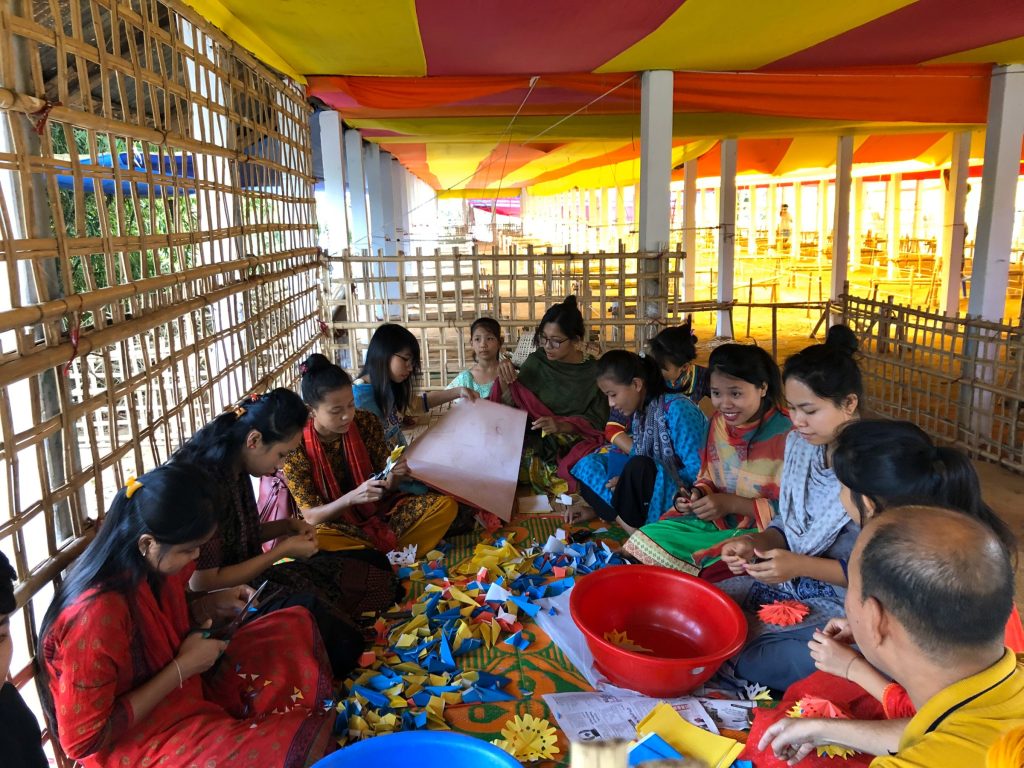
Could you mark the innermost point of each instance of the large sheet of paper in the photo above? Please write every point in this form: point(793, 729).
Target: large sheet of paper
point(473, 453)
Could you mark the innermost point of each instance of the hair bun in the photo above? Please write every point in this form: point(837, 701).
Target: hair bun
point(841, 339)
point(313, 363)
point(570, 301)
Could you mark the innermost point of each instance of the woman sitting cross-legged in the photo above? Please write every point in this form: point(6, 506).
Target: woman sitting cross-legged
point(801, 555)
point(332, 475)
point(129, 677)
point(667, 431)
point(741, 466)
point(250, 440)
point(556, 387)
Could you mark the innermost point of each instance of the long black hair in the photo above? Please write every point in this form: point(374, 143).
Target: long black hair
point(278, 415)
point(622, 367)
point(7, 578)
point(320, 377)
point(176, 503)
point(829, 370)
point(895, 463)
point(750, 363)
point(676, 345)
point(387, 341)
point(567, 316)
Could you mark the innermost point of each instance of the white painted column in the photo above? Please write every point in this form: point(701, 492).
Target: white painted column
point(825, 216)
point(332, 153)
point(797, 212)
point(401, 205)
point(752, 232)
point(690, 230)
point(841, 218)
point(371, 167)
point(360, 234)
point(655, 176)
point(858, 225)
point(593, 220)
point(387, 203)
point(726, 235)
point(993, 240)
point(951, 244)
point(893, 198)
point(620, 215)
point(773, 216)
point(915, 225)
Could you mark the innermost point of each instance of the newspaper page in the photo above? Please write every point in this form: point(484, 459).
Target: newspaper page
point(599, 716)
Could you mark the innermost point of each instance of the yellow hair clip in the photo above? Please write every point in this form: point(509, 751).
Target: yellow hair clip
point(132, 487)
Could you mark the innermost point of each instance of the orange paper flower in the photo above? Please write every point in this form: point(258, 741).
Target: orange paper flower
point(812, 706)
point(783, 613)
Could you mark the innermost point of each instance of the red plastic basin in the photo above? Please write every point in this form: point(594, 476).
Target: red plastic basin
point(689, 626)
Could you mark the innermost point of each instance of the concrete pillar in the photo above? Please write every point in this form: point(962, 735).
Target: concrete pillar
point(825, 215)
point(951, 243)
point(690, 230)
point(593, 219)
point(797, 212)
point(773, 216)
point(752, 230)
point(841, 218)
point(726, 235)
point(360, 233)
point(656, 89)
point(857, 237)
point(993, 240)
point(893, 196)
point(332, 152)
point(387, 203)
point(620, 215)
point(401, 205)
point(371, 167)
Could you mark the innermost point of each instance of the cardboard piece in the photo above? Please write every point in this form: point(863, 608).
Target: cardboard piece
point(473, 453)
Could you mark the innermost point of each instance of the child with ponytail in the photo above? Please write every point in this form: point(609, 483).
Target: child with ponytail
point(666, 432)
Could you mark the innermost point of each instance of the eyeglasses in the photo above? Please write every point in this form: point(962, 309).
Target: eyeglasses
point(548, 342)
point(407, 359)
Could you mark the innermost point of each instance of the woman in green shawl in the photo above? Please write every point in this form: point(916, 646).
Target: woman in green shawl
point(557, 386)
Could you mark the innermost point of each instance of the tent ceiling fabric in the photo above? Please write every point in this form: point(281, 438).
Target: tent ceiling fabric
point(446, 86)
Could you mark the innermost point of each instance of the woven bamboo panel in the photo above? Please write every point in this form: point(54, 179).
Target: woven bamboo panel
point(961, 380)
point(158, 257)
point(625, 299)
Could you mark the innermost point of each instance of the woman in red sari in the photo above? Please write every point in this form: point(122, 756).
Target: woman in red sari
point(126, 681)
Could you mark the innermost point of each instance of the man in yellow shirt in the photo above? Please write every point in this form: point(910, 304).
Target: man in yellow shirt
point(929, 596)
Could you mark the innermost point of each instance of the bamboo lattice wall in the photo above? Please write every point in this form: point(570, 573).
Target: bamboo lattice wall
point(959, 379)
point(158, 257)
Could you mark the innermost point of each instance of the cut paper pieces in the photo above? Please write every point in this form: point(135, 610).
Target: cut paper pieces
point(484, 435)
point(812, 706)
point(689, 740)
point(622, 640)
point(533, 505)
point(406, 556)
point(783, 613)
point(518, 641)
point(757, 692)
point(528, 738)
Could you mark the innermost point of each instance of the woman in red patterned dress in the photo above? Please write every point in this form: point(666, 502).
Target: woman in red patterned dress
point(127, 679)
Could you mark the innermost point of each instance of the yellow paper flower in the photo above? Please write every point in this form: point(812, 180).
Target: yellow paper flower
point(815, 707)
point(622, 640)
point(528, 738)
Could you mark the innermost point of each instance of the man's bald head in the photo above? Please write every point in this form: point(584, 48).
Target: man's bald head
point(941, 574)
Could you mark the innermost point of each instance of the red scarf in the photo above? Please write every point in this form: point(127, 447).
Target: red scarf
point(590, 439)
point(365, 517)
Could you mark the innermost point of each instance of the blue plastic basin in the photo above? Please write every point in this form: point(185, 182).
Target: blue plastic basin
point(435, 748)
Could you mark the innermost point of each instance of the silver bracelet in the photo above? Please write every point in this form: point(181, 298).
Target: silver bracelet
point(181, 680)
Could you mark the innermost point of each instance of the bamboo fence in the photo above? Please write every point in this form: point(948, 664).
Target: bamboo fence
point(960, 379)
point(158, 258)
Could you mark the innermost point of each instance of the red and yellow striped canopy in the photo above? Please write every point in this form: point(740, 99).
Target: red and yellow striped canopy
point(438, 82)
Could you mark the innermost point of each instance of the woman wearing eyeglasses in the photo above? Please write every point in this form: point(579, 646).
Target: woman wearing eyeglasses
point(557, 386)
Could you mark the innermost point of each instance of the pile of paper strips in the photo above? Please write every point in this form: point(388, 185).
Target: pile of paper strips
point(415, 670)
